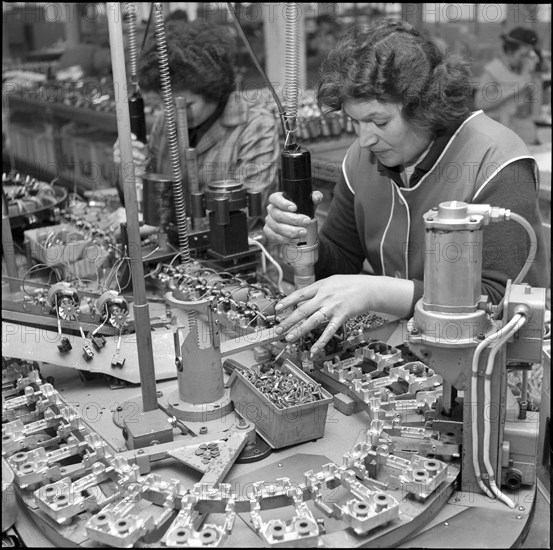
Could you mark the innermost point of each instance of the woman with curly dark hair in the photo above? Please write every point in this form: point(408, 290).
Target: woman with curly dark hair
point(233, 137)
point(418, 146)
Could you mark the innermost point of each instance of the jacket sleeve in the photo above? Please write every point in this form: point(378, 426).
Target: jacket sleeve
point(340, 248)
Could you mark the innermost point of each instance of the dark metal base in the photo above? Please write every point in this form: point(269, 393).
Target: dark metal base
point(255, 452)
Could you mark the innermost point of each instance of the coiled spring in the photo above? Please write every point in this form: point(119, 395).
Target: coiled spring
point(291, 89)
point(172, 141)
point(131, 9)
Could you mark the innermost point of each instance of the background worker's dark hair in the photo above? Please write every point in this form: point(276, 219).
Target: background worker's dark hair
point(201, 59)
point(391, 61)
point(518, 37)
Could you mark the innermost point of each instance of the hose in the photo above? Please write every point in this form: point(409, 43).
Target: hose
point(533, 246)
point(474, 399)
point(509, 329)
point(172, 141)
point(529, 259)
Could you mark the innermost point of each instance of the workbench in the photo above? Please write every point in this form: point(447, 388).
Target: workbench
point(456, 520)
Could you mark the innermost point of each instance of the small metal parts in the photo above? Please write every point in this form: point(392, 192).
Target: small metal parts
point(283, 389)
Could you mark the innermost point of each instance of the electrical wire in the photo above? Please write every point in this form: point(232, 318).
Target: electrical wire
point(272, 260)
point(257, 64)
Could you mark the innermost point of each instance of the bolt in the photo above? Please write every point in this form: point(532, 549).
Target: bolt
point(256, 451)
point(446, 524)
point(159, 393)
point(521, 508)
point(519, 517)
point(280, 465)
point(140, 451)
point(203, 430)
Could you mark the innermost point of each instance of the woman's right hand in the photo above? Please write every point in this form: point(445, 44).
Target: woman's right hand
point(139, 152)
point(282, 224)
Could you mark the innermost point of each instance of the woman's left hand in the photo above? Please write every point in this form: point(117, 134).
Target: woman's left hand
point(338, 298)
point(333, 300)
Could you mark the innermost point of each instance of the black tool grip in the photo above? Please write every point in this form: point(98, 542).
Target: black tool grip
point(296, 182)
point(138, 118)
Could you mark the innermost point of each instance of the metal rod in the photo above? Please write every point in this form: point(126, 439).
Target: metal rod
point(8, 248)
point(127, 176)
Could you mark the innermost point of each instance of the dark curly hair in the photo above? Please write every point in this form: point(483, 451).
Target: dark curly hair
point(392, 62)
point(201, 59)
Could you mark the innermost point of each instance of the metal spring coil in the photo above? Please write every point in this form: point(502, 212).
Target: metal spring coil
point(172, 142)
point(291, 88)
point(132, 8)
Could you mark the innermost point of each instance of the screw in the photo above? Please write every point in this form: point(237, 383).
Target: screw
point(519, 517)
point(159, 393)
point(521, 508)
point(446, 524)
point(203, 430)
point(280, 465)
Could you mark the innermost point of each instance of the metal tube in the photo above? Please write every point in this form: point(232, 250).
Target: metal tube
point(127, 176)
point(8, 248)
point(523, 395)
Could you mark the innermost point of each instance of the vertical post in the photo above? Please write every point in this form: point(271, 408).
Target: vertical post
point(127, 176)
point(7, 245)
point(72, 25)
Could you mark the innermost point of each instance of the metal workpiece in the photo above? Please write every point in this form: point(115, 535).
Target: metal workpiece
point(302, 530)
point(41, 398)
point(363, 513)
point(116, 501)
point(15, 434)
point(13, 383)
point(182, 531)
point(122, 524)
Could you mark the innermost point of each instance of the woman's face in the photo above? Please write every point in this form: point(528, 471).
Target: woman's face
point(383, 130)
point(198, 110)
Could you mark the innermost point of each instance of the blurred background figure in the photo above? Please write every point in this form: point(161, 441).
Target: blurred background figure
point(86, 60)
point(509, 90)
